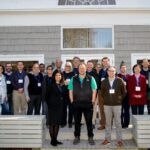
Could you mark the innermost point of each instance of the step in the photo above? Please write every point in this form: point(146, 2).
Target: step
point(68, 133)
point(67, 145)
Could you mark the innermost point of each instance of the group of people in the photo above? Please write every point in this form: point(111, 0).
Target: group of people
point(67, 94)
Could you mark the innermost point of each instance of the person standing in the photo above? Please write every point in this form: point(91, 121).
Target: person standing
point(92, 72)
point(8, 76)
point(76, 62)
point(125, 113)
point(146, 72)
point(19, 100)
point(102, 75)
point(137, 91)
point(68, 74)
point(58, 65)
point(113, 92)
point(55, 94)
point(33, 90)
point(47, 80)
point(3, 91)
point(82, 92)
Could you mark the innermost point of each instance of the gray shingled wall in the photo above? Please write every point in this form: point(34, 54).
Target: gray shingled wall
point(46, 40)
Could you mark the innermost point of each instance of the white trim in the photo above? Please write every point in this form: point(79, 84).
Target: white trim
point(24, 57)
point(136, 56)
point(87, 57)
point(87, 26)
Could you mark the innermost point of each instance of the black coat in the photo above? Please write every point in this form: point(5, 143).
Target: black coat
point(55, 96)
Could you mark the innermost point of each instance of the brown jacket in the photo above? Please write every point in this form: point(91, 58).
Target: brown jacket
point(115, 98)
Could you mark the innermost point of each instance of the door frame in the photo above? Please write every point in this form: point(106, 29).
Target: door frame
point(23, 57)
point(87, 57)
point(136, 56)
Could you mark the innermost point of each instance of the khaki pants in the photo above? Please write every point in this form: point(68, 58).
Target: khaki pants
point(101, 108)
point(95, 108)
point(20, 103)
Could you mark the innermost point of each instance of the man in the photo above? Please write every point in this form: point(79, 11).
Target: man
point(82, 92)
point(42, 69)
point(146, 72)
point(91, 71)
point(8, 75)
point(58, 65)
point(47, 80)
point(33, 90)
point(19, 100)
point(125, 114)
point(113, 92)
point(102, 75)
point(76, 62)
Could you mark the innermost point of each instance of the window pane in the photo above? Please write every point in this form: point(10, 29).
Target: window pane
point(87, 38)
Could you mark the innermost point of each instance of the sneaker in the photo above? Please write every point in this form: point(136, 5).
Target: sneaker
point(106, 142)
point(59, 143)
point(101, 128)
point(76, 140)
point(91, 141)
point(119, 144)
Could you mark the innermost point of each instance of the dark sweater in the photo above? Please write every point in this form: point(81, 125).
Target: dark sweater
point(116, 98)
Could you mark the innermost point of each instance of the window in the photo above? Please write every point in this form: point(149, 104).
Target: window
point(87, 2)
point(87, 38)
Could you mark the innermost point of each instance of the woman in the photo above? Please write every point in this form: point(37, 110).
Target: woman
point(137, 91)
point(55, 99)
point(68, 74)
point(3, 91)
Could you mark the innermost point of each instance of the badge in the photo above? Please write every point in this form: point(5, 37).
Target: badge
point(146, 81)
point(137, 88)
point(8, 82)
point(39, 84)
point(125, 83)
point(20, 81)
point(102, 79)
point(111, 91)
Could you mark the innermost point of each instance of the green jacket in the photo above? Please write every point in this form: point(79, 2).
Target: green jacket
point(115, 98)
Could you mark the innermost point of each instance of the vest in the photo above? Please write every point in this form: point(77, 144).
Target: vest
point(82, 93)
point(35, 84)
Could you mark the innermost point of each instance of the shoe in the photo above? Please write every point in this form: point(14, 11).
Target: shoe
point(93, 126)
point(91, 141)
point(106, 142)
point(76, 140)
point(53, 143)
point(59, 143)
point(119, 144)
point(70, 126)
point(101, 128)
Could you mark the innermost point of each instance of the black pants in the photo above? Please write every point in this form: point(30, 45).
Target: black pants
point(10, 102)
point(67, 115)
point(137, 109)
point(87, 110)
point(34, 104)
point(125, 114)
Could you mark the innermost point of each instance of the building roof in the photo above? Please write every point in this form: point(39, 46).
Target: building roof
point(50, 5)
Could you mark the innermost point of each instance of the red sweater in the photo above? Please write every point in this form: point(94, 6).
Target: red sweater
point(133, 100)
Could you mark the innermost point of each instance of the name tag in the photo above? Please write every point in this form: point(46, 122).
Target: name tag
point(102, 79)
point(146, 81)
point(20, 81)
point(111, 91)
point(137, 88)
point(8, 82)
point(39, 84)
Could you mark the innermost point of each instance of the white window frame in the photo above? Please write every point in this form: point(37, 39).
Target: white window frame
point(23, 57)
point(87, 57)
point(84, 27)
